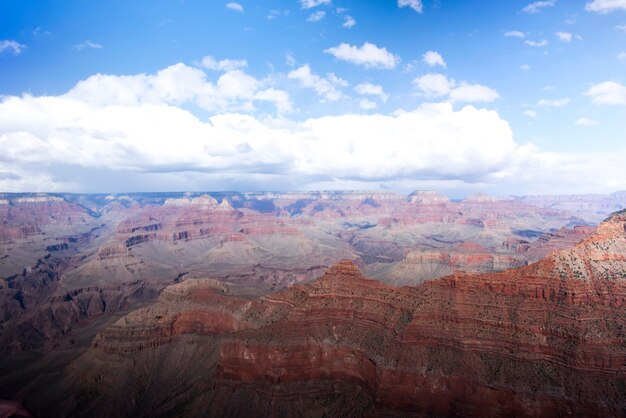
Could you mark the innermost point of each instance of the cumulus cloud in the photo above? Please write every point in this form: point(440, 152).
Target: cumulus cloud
point(371, 89)
point(585, 122)
point(223, 65)
point(177, 85)
point(465, 92)
point(433, 58)
point(309, 4)
point(41, 133)
point(515, 34)
point(438, 85)
point(87, 44)
point(413, 4)
point(316, 16)
point(367, 55)
point(136, 133)
point(234, 6)
point(538, 6)
point(605, 6)
point(554, 102)
point(9, 45)
point(434, 85)
point(326, 88)
point(279, 98)
point(564, 36)
point(348, 22)
point(608, 92)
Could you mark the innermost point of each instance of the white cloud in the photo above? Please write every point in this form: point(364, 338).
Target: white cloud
point(530, 114)
point(87, 44)
point(131, 132)
point(223, 65)
point(608, 92)
point(537, 6)
point(371, 90)
point(515, 34)
point(621, 56)
point(280, 99)
point(325, 87)
point(237, 85)
point(341, 10)
point(366, 104)
point(234, 6)
point(316, 16)
point(367, 55)
point(524, 67)
point(337, 81)
point(413, 4)
point(438, 85)
point(605, 6)
point(10, 45)
point(433, 85)
point(433, 58)
point(349, 22)
point(621, 27)
point(177, 85)
point(309, 4)
point(585, 122)
point(554, 102)
point(564, 36)
point(473, 93)
point(46, 133)
point(536, 44)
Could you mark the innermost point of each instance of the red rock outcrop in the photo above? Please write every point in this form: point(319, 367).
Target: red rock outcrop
point(541, 340)
point(261, 241)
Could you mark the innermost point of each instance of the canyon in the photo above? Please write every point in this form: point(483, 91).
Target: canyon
point(260, 303)
point(547, 339)
point(65, 258)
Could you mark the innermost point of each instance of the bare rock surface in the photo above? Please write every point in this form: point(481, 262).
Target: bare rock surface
point(539, 340)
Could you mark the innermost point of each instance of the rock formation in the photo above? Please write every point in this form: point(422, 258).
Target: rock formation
point(547, 339)
point(121, 249)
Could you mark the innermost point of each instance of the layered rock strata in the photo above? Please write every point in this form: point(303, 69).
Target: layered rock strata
point(548, 339)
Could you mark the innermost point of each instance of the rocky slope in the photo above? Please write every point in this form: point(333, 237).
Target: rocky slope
point(66, 258)
point(548, 339)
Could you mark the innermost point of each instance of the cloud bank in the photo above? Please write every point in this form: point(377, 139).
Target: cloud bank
point(138, 132)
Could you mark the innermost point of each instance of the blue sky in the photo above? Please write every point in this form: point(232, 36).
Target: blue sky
point(460, 96)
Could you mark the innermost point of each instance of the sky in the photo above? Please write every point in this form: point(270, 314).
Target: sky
point(501, 97)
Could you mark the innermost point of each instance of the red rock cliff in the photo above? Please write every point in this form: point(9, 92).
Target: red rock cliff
point(547, 340)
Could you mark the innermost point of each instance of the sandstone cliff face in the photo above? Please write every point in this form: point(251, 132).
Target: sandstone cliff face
point(533, 341)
